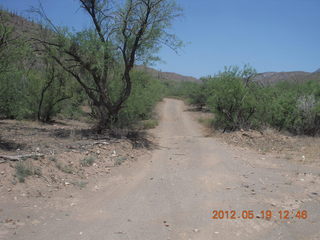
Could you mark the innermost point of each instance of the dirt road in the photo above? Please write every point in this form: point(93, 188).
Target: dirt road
point(172, 193)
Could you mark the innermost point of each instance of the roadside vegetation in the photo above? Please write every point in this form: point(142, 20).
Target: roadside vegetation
point(238, 102)
point(25, 169)
point(86, 86)
point(50, 72)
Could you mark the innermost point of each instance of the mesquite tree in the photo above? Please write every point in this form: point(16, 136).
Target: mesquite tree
point(101, 58)
point(8, 45)
point(54, 89)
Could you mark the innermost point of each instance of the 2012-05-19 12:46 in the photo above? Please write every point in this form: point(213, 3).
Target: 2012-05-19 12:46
point(264, 214)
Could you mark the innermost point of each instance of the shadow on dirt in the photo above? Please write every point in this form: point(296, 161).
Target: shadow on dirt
point(138, 139)
point(10, 145)
point(77, 134)
point(197, 109)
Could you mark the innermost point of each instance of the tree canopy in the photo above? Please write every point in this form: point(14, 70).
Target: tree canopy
point(101, 58)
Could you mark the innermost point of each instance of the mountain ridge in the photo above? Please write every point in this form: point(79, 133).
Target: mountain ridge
point(167, 75)
point(294, 76)
point(26, 26)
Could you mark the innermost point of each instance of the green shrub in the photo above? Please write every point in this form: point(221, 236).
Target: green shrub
point(239, 103)
point(119, 160)
point(32, 86)
point(149, 124)
point(146, 92)
point(197, 95)
point(53, 159)
point(295, 107)
point(87, 161)
point(64, 168)
point(80, 184)
point(25, 169)
point(193, 92)
point(233, 101)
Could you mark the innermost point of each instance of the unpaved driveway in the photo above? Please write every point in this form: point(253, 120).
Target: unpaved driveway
point(171, 194)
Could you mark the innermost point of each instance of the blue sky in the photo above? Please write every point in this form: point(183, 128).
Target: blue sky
point(271, 35)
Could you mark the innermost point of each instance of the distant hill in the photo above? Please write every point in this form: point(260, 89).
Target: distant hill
point(22, 26)
point(26, 28)
point(274, 77)
point(167, 75)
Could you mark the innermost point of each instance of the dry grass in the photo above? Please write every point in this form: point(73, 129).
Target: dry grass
point(25, 169)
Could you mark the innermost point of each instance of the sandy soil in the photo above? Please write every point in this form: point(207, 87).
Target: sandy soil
point(303, 149)
point(171, 193)
point(70, 154)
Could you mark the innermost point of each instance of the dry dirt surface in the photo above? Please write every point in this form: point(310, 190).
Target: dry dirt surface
point(65, 154)
point(303, 149)
point(172, 193)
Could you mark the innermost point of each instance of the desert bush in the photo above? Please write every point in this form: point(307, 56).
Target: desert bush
point(119, 160)
point(12, 83)
point(240, 103)
point(41, 89)
point(64, 168)
point(308, 120)
point(146, 92)
point(25, 169)
point(53, 159)
point(32, 86)
point(294, 107)
point(79, 184)
point(87, 161)
point(149, 124)
point(31, 95)
point(193, 92)
point(101, 57)
point(197, 95)
point(233, 100)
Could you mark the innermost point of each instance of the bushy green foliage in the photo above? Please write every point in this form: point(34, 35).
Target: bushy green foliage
point(25, 169)
point(33, 94)
point(194, 92)
point(87, 161)
point(232, 99)
point(146, 92)
point(64, 168)
point(31, 85)
point(240, 103)
point(12, 68)
point(101, 57)
point(41, 89)
point(149, 124)
point(294, 107)
point(40, 81)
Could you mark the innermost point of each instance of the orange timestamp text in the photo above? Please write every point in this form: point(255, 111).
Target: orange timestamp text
point(264, 214)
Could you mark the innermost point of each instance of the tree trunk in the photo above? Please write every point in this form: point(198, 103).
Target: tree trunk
point(106, 117)
point(102, 117)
